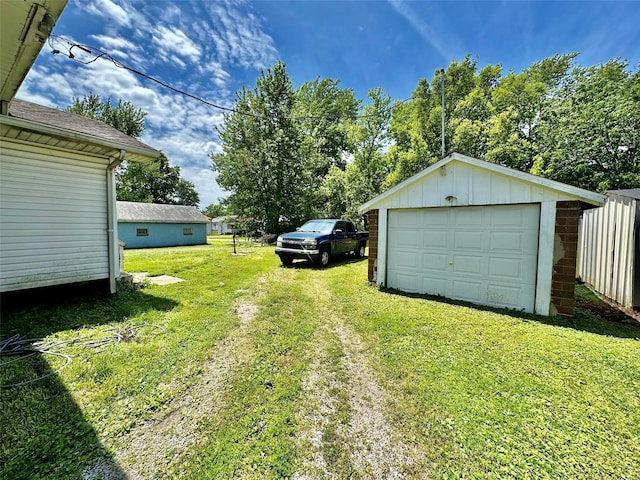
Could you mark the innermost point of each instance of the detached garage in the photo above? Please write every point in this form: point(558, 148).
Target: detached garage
point(471, 230)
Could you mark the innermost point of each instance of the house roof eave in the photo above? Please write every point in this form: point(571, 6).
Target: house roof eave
point(133, 153)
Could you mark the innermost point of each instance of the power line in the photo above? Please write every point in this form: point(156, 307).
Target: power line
point(98, 54)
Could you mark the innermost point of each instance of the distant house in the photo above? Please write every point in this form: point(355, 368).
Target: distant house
point(145, 225)
point(610, 248)
point(225, 225)
point(57, 181)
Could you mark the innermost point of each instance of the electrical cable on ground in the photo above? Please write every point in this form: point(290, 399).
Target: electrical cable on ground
point(23, 348)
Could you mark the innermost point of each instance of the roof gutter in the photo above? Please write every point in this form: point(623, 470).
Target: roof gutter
point(71, 134)
point(112, 222)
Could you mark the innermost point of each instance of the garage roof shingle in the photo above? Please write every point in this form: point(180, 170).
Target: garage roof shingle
point(131, 212)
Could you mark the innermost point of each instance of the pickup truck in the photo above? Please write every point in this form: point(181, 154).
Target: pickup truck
point(320, 241)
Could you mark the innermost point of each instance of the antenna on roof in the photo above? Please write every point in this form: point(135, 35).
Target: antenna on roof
point(442, 131)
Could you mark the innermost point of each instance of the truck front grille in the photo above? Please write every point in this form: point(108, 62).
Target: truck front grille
point(291, 244)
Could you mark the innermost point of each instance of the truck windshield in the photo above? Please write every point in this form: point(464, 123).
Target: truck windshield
point(320, 226)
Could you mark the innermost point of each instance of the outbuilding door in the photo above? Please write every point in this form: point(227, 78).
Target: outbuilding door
point(486, 255)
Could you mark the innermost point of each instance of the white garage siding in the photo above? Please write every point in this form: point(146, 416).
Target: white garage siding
point(53, 212)
point(486, 255)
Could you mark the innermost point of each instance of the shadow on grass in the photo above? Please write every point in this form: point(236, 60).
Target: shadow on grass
point(43, 432)
point(41, 312)
point(584, 320)
point(335, 262)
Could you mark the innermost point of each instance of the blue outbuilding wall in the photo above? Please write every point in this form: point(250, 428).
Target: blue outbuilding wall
point(161, 234)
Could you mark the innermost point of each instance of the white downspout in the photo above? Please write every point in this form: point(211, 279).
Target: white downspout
point(112, 222)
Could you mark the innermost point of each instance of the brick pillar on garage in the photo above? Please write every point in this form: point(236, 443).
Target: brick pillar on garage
point(564, 259)
point(373, 244)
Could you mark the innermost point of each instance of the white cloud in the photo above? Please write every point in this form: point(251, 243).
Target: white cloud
point(239, 38)
point(206, 42)
point(115, 42)
point(110, 10)
point(175, 40)
point(204, 180)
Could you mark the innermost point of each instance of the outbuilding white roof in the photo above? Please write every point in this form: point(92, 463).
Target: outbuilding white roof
point(389, 199)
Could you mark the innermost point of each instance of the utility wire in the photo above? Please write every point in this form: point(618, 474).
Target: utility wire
point(97, 54)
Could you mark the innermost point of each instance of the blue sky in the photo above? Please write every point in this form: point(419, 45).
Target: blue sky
point(212, 48)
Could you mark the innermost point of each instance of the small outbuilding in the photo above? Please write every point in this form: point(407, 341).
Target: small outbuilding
point(146, 225)
point(471, 230)
point(610, 248)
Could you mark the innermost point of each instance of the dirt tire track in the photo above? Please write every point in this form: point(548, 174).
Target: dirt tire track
point(162, 442)
point(376, 449)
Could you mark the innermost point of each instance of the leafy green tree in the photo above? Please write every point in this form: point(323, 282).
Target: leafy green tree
point(261, 161)
point(157, 182)
point(334, 193)
point(518, 100)
point(590, 130)
point(215, 210)
point(122, 116)
point(325, 114)
point(370, 135)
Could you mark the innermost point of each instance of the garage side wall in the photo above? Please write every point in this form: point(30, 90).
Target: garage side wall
point(373, 244)
point(564, 258)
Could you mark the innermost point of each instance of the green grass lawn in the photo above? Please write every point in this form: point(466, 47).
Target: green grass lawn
point(467, 392)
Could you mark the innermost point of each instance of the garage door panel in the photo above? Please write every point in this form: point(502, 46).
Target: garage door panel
point(510, 218)
point(486, 255)
point(435, 239)
point(406, 238)
point(507, 241)
point(468, 216)
point(408, 283)
point(407, 261)
point(504, 295)
point(470, 291)
point(466, 264)
point(437, 217)
point(467, 240)
point(506, 268)
point(436, 286)
point(435, 262)
point(405, 218)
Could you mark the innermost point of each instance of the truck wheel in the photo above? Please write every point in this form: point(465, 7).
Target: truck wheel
point(325, 256)
point(286, 260)
point(361, 250)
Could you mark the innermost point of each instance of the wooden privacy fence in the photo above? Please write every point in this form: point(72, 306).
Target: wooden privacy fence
point(610, 248)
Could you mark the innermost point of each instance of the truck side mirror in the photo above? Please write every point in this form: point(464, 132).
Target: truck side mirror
point(337, 231)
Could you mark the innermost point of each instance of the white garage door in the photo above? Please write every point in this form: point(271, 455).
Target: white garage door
point(486, 255)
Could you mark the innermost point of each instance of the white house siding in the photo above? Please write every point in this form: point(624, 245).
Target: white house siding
point(608, 248)
point(53, 212)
